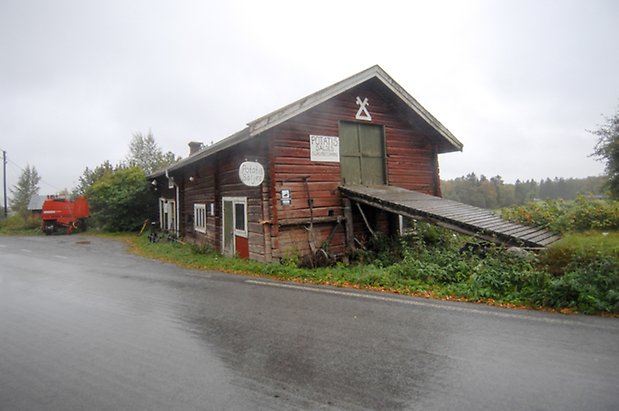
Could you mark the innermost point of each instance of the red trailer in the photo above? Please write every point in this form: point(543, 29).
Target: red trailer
point(63, 215)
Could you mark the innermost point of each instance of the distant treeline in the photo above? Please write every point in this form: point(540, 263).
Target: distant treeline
point(495, 193)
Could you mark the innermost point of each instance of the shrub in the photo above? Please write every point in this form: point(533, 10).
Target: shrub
point(582, 214)
point(589, 289)
point(585, 273)
point(122, 200)
point(20, 224)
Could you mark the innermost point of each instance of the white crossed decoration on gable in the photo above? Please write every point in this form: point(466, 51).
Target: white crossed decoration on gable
point(363, 113)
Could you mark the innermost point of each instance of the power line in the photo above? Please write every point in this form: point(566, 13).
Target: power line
point(4, 176)
point(8, 160)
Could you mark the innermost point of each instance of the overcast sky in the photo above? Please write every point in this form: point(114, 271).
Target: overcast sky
point(518, 82)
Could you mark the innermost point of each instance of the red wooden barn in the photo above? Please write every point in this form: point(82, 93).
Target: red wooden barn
point(317, 176)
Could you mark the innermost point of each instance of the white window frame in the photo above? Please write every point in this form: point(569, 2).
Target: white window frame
point(199, 218)
point(162, 211)
point(243, 232)
point(401, 224)
point(167, 207)
point(235, 201)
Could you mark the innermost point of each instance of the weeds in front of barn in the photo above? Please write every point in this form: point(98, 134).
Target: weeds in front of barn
point(578, 274)
point(20, 225)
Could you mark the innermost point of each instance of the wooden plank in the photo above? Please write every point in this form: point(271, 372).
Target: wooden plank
point(516, 231)
point(476, 221)
point(498, 225)
point(536, 233)
point(469, 219)
point(547, 241)
point(350, 236)
point(543, 235)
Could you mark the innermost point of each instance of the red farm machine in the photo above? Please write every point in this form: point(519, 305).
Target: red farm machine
point(63, 215)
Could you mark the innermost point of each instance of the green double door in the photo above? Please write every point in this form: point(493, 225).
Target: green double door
point(362, 154)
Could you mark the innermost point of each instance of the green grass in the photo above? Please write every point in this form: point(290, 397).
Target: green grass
point(588, 283)
point(19, 225)
point(580, 248)
point(358, 276)
point(602, 241)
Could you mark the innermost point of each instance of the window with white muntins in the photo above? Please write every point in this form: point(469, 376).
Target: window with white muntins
point(199, 218)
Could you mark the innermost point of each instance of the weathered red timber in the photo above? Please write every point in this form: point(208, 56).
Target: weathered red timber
point(375, 131)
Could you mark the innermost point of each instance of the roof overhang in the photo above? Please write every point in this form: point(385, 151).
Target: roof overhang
point(227, 142)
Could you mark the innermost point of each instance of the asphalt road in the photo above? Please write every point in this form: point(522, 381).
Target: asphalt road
point(86, 326)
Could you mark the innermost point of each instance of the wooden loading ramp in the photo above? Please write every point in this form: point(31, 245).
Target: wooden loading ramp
point(453, 215)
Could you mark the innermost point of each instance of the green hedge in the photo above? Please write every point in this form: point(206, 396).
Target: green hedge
point(582, 214)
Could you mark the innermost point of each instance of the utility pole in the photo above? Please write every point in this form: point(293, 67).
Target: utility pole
point(4, 174)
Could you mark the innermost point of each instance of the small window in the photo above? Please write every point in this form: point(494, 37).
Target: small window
point(407, 225)
point(199, 218)
point(239, 218)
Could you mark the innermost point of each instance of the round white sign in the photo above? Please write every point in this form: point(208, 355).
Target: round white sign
point(251, 173)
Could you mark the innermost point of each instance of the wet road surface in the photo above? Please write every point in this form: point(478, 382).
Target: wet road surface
point(84, 325)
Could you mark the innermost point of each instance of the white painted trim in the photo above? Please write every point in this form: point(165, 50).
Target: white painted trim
point(240, 233)
point(165, 206)
point(199, 216)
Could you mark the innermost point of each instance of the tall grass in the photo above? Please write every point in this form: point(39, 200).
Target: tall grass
point(20, 225)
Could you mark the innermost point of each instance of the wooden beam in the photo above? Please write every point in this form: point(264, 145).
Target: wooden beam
point(350, 235)
point(365, 220)
point(266, 228)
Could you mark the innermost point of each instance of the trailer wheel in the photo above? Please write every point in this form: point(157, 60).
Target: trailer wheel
point(49, 228)
point(80, 225)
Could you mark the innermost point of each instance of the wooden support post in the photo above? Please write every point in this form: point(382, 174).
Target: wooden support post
point(266, 223)
point(350, 234)
point(365, 220)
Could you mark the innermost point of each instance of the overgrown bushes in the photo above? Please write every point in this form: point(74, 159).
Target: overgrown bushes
point(121, 200)
point(18, 224)
point(433, 261)
point(580, 272)
point(564, 216)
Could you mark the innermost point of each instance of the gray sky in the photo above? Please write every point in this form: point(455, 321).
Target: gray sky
point(518, 82)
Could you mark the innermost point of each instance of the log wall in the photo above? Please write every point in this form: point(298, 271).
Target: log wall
point(215, 178)
point(411, 163)
point(278, 231)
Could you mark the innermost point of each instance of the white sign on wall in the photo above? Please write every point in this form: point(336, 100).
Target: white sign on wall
point(286, 196)
point(325, 148)
point(251, 173)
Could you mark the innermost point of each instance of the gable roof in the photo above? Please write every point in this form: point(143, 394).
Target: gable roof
point(294, 109)
point(298, 107)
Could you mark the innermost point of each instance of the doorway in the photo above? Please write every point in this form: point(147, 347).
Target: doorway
point(234, 227)
point(167, 214)
point(362, 154)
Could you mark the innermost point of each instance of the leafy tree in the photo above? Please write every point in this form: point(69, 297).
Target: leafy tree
point(26, 187)
point(89, 177)
point(120, 197)
point(121, 200)
point(146, 154)
point(607, 149)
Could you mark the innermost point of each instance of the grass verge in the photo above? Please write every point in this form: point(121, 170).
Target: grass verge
point(588, 283)
point(20, 226)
